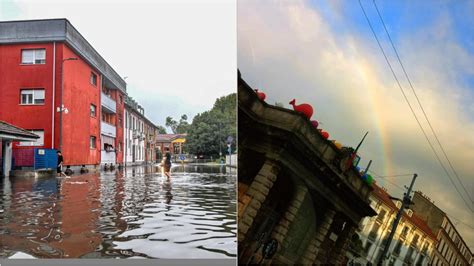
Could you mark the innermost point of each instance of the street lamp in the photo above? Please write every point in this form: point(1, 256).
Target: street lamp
point(61, 106)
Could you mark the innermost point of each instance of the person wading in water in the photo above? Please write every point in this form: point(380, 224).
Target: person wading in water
point(59, 168)
point(167, 163)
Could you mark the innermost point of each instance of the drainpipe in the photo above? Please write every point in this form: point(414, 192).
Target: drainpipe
point(53, 103)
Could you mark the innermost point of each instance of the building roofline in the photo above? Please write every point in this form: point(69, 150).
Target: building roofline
point(378, 191)
point(16, 131)
point(66, 33)
point(425, 197)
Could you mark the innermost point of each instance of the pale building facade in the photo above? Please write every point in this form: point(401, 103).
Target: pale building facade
point(413, 242)
point(134, 133)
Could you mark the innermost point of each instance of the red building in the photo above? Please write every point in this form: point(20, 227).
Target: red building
point(47, 63)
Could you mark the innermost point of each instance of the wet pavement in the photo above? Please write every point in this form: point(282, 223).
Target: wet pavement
point(136, 212)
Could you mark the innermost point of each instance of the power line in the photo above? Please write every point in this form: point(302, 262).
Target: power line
point(419, 103)
point(379, 176)
point(385, 176)
point(409, 105)
point(397, 186)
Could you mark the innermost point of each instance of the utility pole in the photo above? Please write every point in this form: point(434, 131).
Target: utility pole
point(405, 204)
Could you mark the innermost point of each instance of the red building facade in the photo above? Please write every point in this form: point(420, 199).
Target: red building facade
point(31, 91)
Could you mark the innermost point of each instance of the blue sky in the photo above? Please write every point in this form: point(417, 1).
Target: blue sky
point(324, 53)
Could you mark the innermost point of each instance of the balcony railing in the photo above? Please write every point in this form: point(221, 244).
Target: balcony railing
point(108, 103)
point(107, 129)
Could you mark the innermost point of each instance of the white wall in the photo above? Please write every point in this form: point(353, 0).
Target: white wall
point(131, 143)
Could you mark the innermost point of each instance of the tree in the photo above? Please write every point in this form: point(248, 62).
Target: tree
point(171, 123)
point(161, 129)
point(180, 127)
point(183, 125)
point(209, 130)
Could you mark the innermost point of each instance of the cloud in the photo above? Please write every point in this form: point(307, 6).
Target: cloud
point(290, 50)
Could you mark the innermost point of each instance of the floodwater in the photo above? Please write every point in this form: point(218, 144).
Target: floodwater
point(135, 213)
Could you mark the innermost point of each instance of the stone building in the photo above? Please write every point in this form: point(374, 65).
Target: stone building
point(413, 241)
point(451, 248)
point(296, 206)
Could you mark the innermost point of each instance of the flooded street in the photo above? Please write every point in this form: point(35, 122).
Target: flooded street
point(136, 212)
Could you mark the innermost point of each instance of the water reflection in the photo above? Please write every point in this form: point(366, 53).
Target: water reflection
point(129, 213)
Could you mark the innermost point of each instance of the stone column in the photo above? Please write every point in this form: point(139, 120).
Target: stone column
point(281, 229)
point(342, 244)
point(255, 196)
point(313, 248)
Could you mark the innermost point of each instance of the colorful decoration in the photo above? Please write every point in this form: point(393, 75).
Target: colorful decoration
point(325, 134)
point(315, 123)
point(338, 145)
point(364, 177)
point(304, 108)
point(369, 180)
point(261, 95)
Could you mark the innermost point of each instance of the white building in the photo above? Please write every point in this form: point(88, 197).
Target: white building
point(134, 133)
point(413, 242)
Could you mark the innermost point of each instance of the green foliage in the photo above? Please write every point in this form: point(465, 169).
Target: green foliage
point(180, 127)
point(208, 132)
point(171, 123)
point(161, 129)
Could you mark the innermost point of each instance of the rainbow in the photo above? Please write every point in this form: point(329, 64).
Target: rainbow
point(375, 100)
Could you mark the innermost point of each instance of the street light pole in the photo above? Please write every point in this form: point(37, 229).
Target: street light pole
point(405, 203)
point(61, 107)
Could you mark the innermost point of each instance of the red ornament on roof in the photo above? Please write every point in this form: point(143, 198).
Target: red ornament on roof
point(261, 95)
point(303, 108)
point(315, 123)
point(325, 134)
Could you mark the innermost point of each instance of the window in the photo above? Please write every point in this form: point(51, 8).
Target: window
point(121, 99)
point(93, 79)
point(33, 56)
point(93, 110)
point(381, 215)
point(441, 245)
point(37, 142)
point(374, 232)
point(32, 96)
point(92, 142)
point(405, 231)
point(408, 256)
point(398, 247)
point(414, 241)
point(120, 147)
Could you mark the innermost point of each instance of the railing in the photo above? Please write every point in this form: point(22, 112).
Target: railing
point(108, 103)
point(107, 129)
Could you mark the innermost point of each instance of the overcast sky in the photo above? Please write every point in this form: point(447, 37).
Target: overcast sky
point(179, 56)
point(323, 53)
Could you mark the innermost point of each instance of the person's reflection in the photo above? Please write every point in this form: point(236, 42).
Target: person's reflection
point(168, 195)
